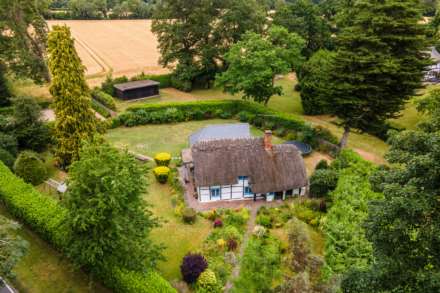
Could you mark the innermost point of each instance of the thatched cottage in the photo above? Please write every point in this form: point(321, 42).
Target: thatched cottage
point(244, 168)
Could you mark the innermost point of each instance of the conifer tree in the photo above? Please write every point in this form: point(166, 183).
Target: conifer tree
point(379, 64)
point(75, 120)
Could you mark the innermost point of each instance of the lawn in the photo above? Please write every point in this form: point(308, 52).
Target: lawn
point(178, 237)
point(45, 270)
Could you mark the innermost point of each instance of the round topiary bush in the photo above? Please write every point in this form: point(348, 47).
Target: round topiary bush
point(161, 173)
point(192, 266)
point(6, 158)
point(323, 164)
point(30, 167)
point(162, 159)
point(322, 182)
point(207, 281)
point(9, 143)
point(189, 215)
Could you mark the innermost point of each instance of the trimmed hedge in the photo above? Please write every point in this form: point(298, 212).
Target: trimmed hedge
point(104, 99)
point(100, 109)
point(245, 111)
point(47, 217)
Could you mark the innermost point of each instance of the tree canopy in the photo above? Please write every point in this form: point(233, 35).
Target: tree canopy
point(75, 120)
point(108, 217)
point(255, 61)
point(195, 35)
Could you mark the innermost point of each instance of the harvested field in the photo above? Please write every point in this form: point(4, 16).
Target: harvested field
point(122, 46)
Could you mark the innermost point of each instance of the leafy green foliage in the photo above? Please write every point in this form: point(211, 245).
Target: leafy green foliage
point(108, 217)
point(322, 182)
point(401, 226)
point(195, 35)
point(30, 167)
point(45, 216)
point(207, 282)
point(260, 265)
point(256, 60)
point(305, 18)
point(9, 143)
point(314, 79)
point(107, 86)
point(5, 93)
point(379, 64)
point(12, 246)
point(192, 266)
point(346, 244)
point(189, 215)
point(27, 127)
point(7, 158)
point(22, 51)
point(104, 98)
point(75, 121)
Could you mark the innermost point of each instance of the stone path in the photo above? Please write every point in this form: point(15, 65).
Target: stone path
point(248, 233)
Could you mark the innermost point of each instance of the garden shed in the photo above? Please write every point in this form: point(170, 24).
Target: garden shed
point(137, 89)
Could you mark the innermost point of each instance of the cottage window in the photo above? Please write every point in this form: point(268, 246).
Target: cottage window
point(242, 178)
point(247, 191)
point(214, 192)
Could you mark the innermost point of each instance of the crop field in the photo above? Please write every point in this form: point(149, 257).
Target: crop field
point(121, 46)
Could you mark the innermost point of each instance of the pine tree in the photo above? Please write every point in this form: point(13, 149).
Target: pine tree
point(379, 64)
point(75, 121)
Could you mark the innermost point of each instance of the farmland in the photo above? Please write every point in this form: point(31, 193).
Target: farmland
point(124, 47)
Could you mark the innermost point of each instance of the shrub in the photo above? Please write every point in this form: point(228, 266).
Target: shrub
point(6, 158)
point(104, 98)
point(163, 79)
point(192, 266)
point(162, 159)
point(161, 173)
point(323, 164)
point(207, 281)
point(218, 223)
point(236, 218)
point(259, 231)
point(8, 143)
point(221, 243)
point(100, 109)
point(29, 167)
point(107, 85)
point(45, 216)
point(322, 182)
point(189, 215)
point(264, 221)
point(231, 232)
point(232, 244)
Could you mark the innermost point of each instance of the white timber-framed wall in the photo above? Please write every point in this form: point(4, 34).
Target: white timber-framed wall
point(239, 191)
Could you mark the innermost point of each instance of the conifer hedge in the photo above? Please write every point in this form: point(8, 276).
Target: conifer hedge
point(47, 217)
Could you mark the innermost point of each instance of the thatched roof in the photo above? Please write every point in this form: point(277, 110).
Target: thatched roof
point(221, 131)
point(220, 162)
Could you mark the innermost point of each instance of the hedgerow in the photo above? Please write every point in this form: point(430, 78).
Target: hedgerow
point(245, 111)
point(346, 244)
point(104, 99)
point(108, 85)
point(47, 217)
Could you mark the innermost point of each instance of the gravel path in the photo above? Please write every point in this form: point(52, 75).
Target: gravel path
point(248, 233)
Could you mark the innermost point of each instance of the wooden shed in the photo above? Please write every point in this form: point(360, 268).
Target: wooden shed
point(137, 89)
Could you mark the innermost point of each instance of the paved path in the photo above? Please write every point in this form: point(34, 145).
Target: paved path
point(248, 233)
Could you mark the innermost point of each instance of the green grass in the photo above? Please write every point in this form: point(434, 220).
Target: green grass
point(178, 237)
point(45, 270)
point(172, 138)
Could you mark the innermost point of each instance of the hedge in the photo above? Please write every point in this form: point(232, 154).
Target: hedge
point(245, 111)
point(165, 81)
point(100, 109)
point(47, 217)
point(104, 98)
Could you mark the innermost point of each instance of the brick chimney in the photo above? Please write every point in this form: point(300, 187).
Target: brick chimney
point(268, 140)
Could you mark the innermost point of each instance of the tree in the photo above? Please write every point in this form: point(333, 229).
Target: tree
point(88, 9)
point(379, 64)
point(4, 89)
point(304, 18)
point(403, 227)
point(108, 217)
point(256, 60)
point(12, 247)
point(75, 120)
point(314, 80)
point(27, 127)
point(194, 35)
point(23, 33)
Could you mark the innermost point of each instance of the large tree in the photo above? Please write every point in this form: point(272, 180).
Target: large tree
point(255, 61)
point(379, 64)
point(75, 120)
point(12, 247)
point(194, 35)
point(108, 217)
point(23, 33)
point(404, 227)
point(304, 18)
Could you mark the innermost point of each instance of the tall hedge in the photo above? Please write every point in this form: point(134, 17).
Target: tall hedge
point(47, 217)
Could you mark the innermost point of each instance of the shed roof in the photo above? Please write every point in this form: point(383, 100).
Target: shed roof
point(220, 162)
point(221, 131)
point(135, 84)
